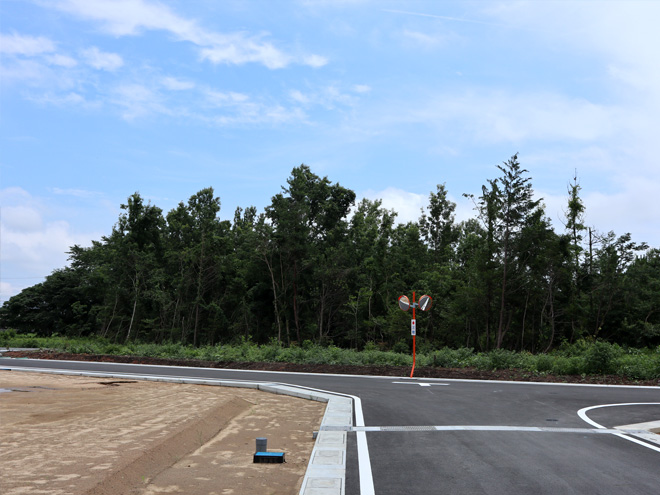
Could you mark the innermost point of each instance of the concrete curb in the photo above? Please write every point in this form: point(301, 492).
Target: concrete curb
point(648, 431)
point(326, 471)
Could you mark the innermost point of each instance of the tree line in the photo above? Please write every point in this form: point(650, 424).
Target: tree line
point(316, 266)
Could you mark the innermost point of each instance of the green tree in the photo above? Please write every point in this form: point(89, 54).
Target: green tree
point(308, 220)
point(437, 227)
point(516, 205)
point(642, 304)
point(136, 252)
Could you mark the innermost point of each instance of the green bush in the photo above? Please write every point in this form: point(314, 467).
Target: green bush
point(501, 359)
point(581, 358)
point(402, 347)
point(563, 365)
point(544, 363)
point(7, 336)
point(639, 366)
point(599, 358)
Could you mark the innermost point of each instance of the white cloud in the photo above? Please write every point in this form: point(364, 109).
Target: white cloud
point(131, 17)
point(622, 37)
point(362, 88)
point(64, 99)
point(31, 60)
point(220, 98)
point(623, 34)
point(329, 96)
point(9, 289)
point(32, 245)
point(299, 97)
point(16, 44)
point(257, 114)
point(102, 60)
point(239, 108)
point(137, 100)
point(315, 61)
point(21, 218)
point(25, 71)
point(485, 117)
point(174, 84)
point(409, 205)
point(499, 116)
point(238, 49)
point(406, 204)
point(633, 209)
point(424, 40)
point(61, 60)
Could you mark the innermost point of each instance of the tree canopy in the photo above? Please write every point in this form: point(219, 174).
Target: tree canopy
point(314, 265)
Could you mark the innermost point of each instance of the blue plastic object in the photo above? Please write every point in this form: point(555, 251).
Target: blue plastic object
point(269, 457)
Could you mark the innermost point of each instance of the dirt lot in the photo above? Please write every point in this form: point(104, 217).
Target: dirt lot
point(81, 435)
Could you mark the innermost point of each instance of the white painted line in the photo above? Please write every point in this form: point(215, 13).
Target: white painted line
point(364, 461)
point(533, 429)
point(583, 414)
point(456, 380)
point(421, 384)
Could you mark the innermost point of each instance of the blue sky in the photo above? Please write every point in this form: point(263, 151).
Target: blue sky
point(102, 98)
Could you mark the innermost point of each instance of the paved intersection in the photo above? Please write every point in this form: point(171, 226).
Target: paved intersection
point(472, 437)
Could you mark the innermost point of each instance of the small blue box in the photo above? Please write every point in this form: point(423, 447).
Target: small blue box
point(269, 457)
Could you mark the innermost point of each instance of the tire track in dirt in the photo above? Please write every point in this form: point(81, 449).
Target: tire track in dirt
point(134, 473)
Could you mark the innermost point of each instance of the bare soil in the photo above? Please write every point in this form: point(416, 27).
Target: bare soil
point(94, 436)
point(420, 372)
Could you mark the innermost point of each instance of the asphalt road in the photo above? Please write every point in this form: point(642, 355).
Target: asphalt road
point(468, 437)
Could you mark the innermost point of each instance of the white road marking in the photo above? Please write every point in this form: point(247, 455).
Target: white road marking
point(373, 377)
point(422, 384)
point(532, 429)
point(364, 461)
point(583, 414)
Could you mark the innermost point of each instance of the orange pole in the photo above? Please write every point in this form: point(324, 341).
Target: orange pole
point(414, 338)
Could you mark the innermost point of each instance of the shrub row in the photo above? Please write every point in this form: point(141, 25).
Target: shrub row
point(581, 358)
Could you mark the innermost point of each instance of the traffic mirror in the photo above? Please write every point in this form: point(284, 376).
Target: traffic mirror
point(425, 303)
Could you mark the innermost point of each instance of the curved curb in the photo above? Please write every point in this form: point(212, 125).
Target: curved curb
point(326, 471)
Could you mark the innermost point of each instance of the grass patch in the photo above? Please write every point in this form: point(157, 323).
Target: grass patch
point(582, 358)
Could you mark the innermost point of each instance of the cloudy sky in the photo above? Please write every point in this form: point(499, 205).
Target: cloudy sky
point(102, 98)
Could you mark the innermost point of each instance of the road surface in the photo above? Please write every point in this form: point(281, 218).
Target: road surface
point(474, 437)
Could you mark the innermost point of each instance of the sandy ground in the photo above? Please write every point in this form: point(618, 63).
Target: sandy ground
point(80, 435)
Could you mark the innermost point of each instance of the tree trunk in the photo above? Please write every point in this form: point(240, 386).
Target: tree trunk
point(274, 285)
point(130, 326)
point(552, 317)
point(198, 297)
point(295, 302)
point(112, 316)
point(136, 281)
point(522, 331)
point(505, 262)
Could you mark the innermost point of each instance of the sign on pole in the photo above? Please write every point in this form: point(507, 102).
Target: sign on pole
point(425, 303)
